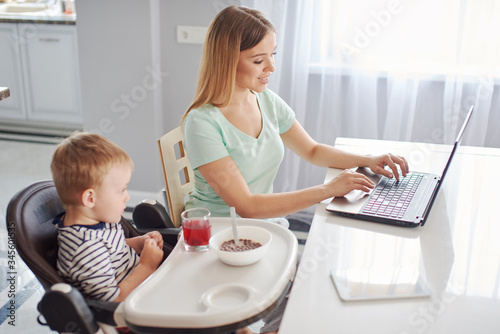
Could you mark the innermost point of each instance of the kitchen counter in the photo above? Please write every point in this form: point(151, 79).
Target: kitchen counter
point(4, 93)
point(51, 15)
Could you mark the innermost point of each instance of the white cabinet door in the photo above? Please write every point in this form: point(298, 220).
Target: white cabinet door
point(11, 73)
point(51, 74)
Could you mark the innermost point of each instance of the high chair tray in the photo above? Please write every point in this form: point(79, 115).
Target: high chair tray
point(197, 290)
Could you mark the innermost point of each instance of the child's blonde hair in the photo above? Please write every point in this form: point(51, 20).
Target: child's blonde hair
point(81, 161)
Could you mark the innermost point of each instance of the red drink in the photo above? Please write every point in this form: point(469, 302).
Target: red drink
point(196, 232)
point(196, 229)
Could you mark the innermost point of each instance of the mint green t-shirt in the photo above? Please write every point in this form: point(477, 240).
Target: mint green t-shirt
point(209, 136)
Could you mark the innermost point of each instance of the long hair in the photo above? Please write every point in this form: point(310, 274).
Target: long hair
point(233, 30)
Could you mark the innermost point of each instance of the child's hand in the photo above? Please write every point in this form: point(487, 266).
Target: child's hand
point(151, 255)
point(156, 236)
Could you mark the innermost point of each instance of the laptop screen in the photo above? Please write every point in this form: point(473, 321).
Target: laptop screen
point(457, 142)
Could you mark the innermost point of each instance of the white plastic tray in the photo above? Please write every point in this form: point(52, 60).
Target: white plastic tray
point(197, 290)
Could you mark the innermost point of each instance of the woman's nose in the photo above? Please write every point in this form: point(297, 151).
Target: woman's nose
point(270, 65)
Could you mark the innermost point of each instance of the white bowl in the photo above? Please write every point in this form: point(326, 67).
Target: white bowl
point(242, 258)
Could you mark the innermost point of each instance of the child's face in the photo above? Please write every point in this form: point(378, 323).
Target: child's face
point(112, 195)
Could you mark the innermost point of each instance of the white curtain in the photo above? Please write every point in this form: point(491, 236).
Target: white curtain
point(386, 69)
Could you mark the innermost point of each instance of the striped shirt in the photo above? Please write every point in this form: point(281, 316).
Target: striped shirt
point(94, 259)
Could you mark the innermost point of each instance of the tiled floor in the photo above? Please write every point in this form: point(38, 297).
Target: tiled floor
point(21, 163)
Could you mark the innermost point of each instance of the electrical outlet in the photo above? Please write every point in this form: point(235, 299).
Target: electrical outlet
point(191, 34)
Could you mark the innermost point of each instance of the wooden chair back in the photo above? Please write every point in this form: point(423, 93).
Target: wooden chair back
point(177, 171)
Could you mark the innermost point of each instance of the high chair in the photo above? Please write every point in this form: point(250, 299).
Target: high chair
point(29, 222)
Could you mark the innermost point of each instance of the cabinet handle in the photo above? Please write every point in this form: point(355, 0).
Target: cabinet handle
point(49, 40)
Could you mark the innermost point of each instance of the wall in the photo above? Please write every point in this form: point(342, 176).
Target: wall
point(182, 60)
point(136, 79)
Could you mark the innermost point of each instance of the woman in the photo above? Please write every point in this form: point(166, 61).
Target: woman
point(235, 129)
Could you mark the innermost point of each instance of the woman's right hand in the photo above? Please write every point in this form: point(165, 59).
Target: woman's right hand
point(348, 181)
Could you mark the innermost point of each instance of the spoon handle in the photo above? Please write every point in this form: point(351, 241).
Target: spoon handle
point(233, 221)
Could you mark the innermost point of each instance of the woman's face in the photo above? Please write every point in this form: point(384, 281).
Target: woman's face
point(255, 65)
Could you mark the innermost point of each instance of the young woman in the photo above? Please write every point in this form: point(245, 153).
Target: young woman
point(235, 129)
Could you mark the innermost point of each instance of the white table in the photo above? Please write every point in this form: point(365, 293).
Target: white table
point(458, 247)
point(174, 298)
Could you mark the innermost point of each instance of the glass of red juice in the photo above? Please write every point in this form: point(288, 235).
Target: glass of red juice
point(196, 228)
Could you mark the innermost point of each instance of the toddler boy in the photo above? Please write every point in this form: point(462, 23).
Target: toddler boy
point(91, 175)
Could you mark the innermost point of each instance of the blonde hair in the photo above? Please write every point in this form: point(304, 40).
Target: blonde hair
point(81, 161)
point(233, 30)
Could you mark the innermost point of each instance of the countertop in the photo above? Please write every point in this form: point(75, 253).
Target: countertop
point(4, 93)
point(52, 15)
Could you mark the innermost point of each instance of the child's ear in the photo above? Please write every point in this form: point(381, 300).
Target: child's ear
point(88, 198)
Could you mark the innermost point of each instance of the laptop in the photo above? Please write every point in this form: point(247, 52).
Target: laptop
point(406, 202)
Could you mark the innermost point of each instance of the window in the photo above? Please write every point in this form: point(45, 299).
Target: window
point(425, 36)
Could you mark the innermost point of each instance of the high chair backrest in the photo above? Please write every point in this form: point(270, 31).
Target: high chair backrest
point(177, 171)
point(29, 218)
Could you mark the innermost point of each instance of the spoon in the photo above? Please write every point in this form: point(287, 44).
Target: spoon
point(233, 221)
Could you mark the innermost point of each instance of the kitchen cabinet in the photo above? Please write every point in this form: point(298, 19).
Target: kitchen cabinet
point(11, 74)
point(41, 66)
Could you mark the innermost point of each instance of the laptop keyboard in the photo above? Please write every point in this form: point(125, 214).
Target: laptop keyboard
point(393, 198)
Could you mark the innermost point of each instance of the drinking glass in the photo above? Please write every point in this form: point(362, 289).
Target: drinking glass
point(196, 228)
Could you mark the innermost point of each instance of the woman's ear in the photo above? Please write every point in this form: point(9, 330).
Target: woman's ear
point(88, 198)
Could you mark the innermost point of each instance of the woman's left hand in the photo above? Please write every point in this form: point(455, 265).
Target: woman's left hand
point(378, 164)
